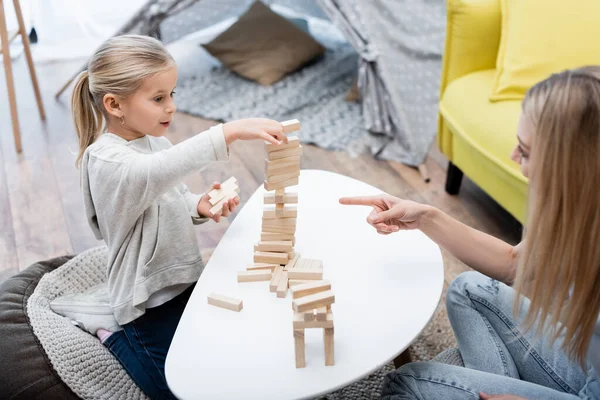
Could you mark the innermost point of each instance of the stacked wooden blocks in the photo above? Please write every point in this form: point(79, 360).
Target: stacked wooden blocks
point(312, 309)
point(217, 197)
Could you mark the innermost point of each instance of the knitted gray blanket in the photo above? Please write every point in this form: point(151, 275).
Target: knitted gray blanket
point(81, 361)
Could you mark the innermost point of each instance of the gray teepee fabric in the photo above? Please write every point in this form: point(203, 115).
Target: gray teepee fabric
point(400, 46)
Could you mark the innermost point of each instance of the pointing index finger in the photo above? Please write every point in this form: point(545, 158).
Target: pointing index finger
point(358, 201)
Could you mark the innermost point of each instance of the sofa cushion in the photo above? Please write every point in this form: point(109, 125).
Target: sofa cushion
point(490, 127)
point(25, 371)
point(542, 37)
point(263, 46)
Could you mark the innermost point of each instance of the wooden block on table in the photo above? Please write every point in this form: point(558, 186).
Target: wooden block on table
point(273, 237)
point(293, 141)
point(282, 286)
point(283, 154)
point(299, 322)
point(321, 313)
point(292, 262)
point(288, 230)
point(291, 255)
point(310, 288)
point(270, 257)
point(285, 169)
point(275, 279)
point(279, 221)
point(282, 162)
point(277, 246)
point(280, 185)
point(299, 348)
point(229, 185)
point(313, 301)
point(308, 316)
point(226, 302)
point(274, 179)
point(289, 198)
point(280, 211)
point(262, 266)
point(254, 276)
point(328, 345)
point(291, 125)
point(295, 282)
point(305, 273)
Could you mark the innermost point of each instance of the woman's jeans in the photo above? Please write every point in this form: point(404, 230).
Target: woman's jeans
point(498, 360)
point(142, 345)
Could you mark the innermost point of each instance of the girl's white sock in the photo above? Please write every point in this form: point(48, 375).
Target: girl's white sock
point(103, 334)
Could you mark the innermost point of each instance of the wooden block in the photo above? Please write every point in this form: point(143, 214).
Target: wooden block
point(254, 276)
point(316, 264)
point(310, 288)
point(289, 198)
point(216, 195)
point(261, 266)
point(292, 262)
point(299, 348)
point(300, 323)
point(280, 155)
point(295, 282)
point(275, 279)
point(290, 126)
point(277, 246)
point(305, 273)
point(328, 345)
point(291, 255)
point(280, 211)
point(222, 301)
point(279, 221)
point(321, 313)
point(219, 206)
point(282, 184)
point(270, 257)
point(313, 301)
point(282, 162)
point(293, 141)
point(289, 230)
point(272, 180)
point(286, 169)
point(309, 316)
point(282, 286)
point(272, 236)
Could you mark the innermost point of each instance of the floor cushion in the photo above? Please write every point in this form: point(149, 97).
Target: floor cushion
point(25, 371)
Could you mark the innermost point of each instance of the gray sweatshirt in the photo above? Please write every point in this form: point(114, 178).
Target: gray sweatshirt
point(136, 202)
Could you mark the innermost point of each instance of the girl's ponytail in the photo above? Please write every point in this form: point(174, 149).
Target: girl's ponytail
point(86, 115)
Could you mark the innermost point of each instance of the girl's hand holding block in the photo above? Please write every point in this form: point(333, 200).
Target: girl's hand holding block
point(204, 206)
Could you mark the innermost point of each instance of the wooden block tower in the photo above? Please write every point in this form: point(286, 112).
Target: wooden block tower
point(274, 257)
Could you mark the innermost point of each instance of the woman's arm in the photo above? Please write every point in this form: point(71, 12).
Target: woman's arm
point(482, 252)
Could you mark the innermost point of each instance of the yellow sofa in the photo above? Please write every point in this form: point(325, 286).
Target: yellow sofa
point(475, 134)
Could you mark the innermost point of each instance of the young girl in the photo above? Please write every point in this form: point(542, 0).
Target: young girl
point(135, 199)
point(549, 348)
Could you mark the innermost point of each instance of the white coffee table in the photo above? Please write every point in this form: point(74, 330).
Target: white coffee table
point(386, 288)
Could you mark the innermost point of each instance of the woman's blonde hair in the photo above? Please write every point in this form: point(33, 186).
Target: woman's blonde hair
point(560, 268)
point(118, 67)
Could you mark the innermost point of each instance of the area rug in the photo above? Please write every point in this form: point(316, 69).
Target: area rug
point(314, 95)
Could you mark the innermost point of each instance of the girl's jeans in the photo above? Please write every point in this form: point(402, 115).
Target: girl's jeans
point(142, 345)
point(498, 360)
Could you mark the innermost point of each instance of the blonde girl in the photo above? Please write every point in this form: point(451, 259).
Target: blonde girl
point(134, 196)
point(549, 348)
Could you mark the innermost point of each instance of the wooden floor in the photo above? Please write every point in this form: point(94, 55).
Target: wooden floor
point(41, 211)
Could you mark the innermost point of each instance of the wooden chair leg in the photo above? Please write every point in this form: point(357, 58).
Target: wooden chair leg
point(403, 358)
point(453, 179)
point(10, 85)
point(26, 47)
